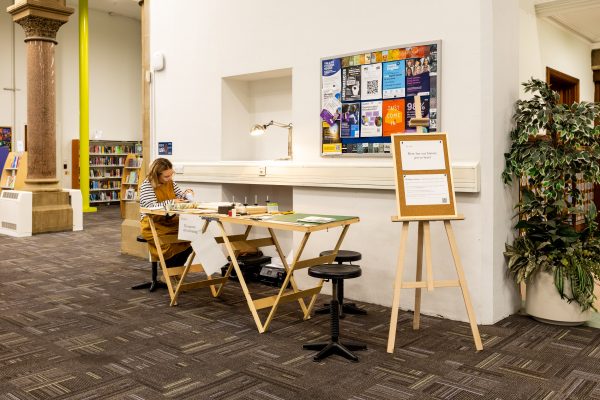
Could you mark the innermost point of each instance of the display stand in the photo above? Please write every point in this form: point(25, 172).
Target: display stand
point(14, 171)
point(424, 193)
point(130, 180)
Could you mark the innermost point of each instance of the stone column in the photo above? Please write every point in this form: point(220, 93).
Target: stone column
point(41, 19)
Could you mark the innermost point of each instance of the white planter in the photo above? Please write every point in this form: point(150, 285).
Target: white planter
point(544, 303)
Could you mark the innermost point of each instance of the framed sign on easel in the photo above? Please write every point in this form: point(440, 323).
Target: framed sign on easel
point(425, 193)
point(423, 175)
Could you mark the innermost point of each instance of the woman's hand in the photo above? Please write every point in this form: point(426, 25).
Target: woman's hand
point(188, 194)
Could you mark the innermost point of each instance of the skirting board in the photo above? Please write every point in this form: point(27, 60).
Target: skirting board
point(465, 174)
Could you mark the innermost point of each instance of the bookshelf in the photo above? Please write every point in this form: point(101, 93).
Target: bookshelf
point(14, 171)
point(130, 181)
point(107, 162)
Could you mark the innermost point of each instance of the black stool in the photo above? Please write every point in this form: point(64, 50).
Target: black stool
point(155, 283)
point(350, 308)
point(337, 274)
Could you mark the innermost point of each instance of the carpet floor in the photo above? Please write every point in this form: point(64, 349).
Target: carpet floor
point(70, 328)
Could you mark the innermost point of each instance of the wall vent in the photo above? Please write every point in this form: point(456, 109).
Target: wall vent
point(7, 194)
point(9, 225)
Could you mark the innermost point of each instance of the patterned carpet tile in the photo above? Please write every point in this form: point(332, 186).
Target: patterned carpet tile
point(70, 328)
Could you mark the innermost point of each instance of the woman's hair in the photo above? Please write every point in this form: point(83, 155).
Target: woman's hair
point(158, 167)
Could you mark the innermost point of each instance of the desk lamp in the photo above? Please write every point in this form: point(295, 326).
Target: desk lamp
point(258, 130)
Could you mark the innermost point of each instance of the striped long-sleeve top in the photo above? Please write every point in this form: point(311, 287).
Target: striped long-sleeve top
point(148, 197)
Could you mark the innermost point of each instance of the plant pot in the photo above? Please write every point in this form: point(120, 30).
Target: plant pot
point(543, 302)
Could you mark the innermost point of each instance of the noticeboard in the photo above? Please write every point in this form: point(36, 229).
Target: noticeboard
point(423, 175)
point(368, 96)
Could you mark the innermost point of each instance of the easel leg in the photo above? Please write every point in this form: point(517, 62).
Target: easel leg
point(427, 244)
point(397, 286)
point(463, 285)
point(417, 315)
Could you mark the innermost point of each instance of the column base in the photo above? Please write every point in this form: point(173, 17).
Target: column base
point(51, 212)
point(41, 185)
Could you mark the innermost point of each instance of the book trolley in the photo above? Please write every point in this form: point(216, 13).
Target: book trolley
point(425, 193)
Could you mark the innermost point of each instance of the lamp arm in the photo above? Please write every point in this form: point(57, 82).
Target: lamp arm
point(279, 124)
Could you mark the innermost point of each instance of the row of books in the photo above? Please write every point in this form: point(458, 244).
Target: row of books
point(105, 185)
point(104, 196)
point(116, 149)
point(134, 163)
point(116, 161)
point(105, 173)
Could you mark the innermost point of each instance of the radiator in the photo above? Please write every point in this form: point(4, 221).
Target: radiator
point(15, 213)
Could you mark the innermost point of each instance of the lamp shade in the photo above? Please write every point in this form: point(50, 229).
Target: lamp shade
point(257, 130)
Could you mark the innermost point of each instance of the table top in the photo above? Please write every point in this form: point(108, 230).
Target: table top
point(302, 222)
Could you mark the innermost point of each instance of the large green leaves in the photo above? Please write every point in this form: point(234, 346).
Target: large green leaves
point(552, 145)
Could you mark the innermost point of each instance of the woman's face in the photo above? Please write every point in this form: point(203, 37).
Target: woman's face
point(166, 176)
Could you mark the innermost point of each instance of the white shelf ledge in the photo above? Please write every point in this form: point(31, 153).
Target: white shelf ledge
point(357, 176)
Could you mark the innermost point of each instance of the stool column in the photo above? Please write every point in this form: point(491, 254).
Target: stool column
point(335, 311)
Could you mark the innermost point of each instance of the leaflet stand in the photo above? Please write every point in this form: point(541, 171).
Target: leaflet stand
point(427, 164)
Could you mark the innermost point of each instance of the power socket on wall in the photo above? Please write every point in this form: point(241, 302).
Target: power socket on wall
point(262, 171)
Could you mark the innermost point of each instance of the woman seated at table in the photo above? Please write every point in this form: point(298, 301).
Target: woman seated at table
point(158, 189)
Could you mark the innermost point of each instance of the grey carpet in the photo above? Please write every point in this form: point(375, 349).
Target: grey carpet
point(70, 328)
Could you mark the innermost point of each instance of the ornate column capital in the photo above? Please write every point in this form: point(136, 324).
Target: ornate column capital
point(40, 19)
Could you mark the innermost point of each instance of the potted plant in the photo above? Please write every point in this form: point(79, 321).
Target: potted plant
point(552, 146)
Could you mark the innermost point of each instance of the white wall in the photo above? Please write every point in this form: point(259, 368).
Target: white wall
point(543, 43)
point(115, 80)
point(115, 89)
point(14, 115)
point(222, 39)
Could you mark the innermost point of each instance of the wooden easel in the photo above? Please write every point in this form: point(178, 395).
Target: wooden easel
point(424, 240)
point(424, 158)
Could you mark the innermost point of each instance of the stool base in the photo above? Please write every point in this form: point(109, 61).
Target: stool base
point(151, 286)
point(347, 308)
point(329, 348)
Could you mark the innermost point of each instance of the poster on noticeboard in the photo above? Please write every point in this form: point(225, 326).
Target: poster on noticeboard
point(368, 96)
point(6, 137)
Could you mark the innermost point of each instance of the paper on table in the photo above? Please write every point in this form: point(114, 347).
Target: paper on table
point(422, 155)
point(208, 253)
point(426, 189)
point(316, 220)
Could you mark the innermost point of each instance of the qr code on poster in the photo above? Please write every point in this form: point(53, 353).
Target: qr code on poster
point(372, 87)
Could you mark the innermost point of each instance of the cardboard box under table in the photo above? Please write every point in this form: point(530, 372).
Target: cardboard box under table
point(233, 243)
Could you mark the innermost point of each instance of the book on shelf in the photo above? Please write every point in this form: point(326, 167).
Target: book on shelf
point(10, 181)
point(15, 162)
point(130, 194)
point(132, 177)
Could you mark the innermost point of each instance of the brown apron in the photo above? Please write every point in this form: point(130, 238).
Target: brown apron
point(163, 225)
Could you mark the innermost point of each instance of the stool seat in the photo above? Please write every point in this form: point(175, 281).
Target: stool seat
point(140, 238)
point(343, 255)
point(334, 271)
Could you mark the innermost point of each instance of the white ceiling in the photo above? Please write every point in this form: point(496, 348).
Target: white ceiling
point(127, 8)
point(581, 17)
